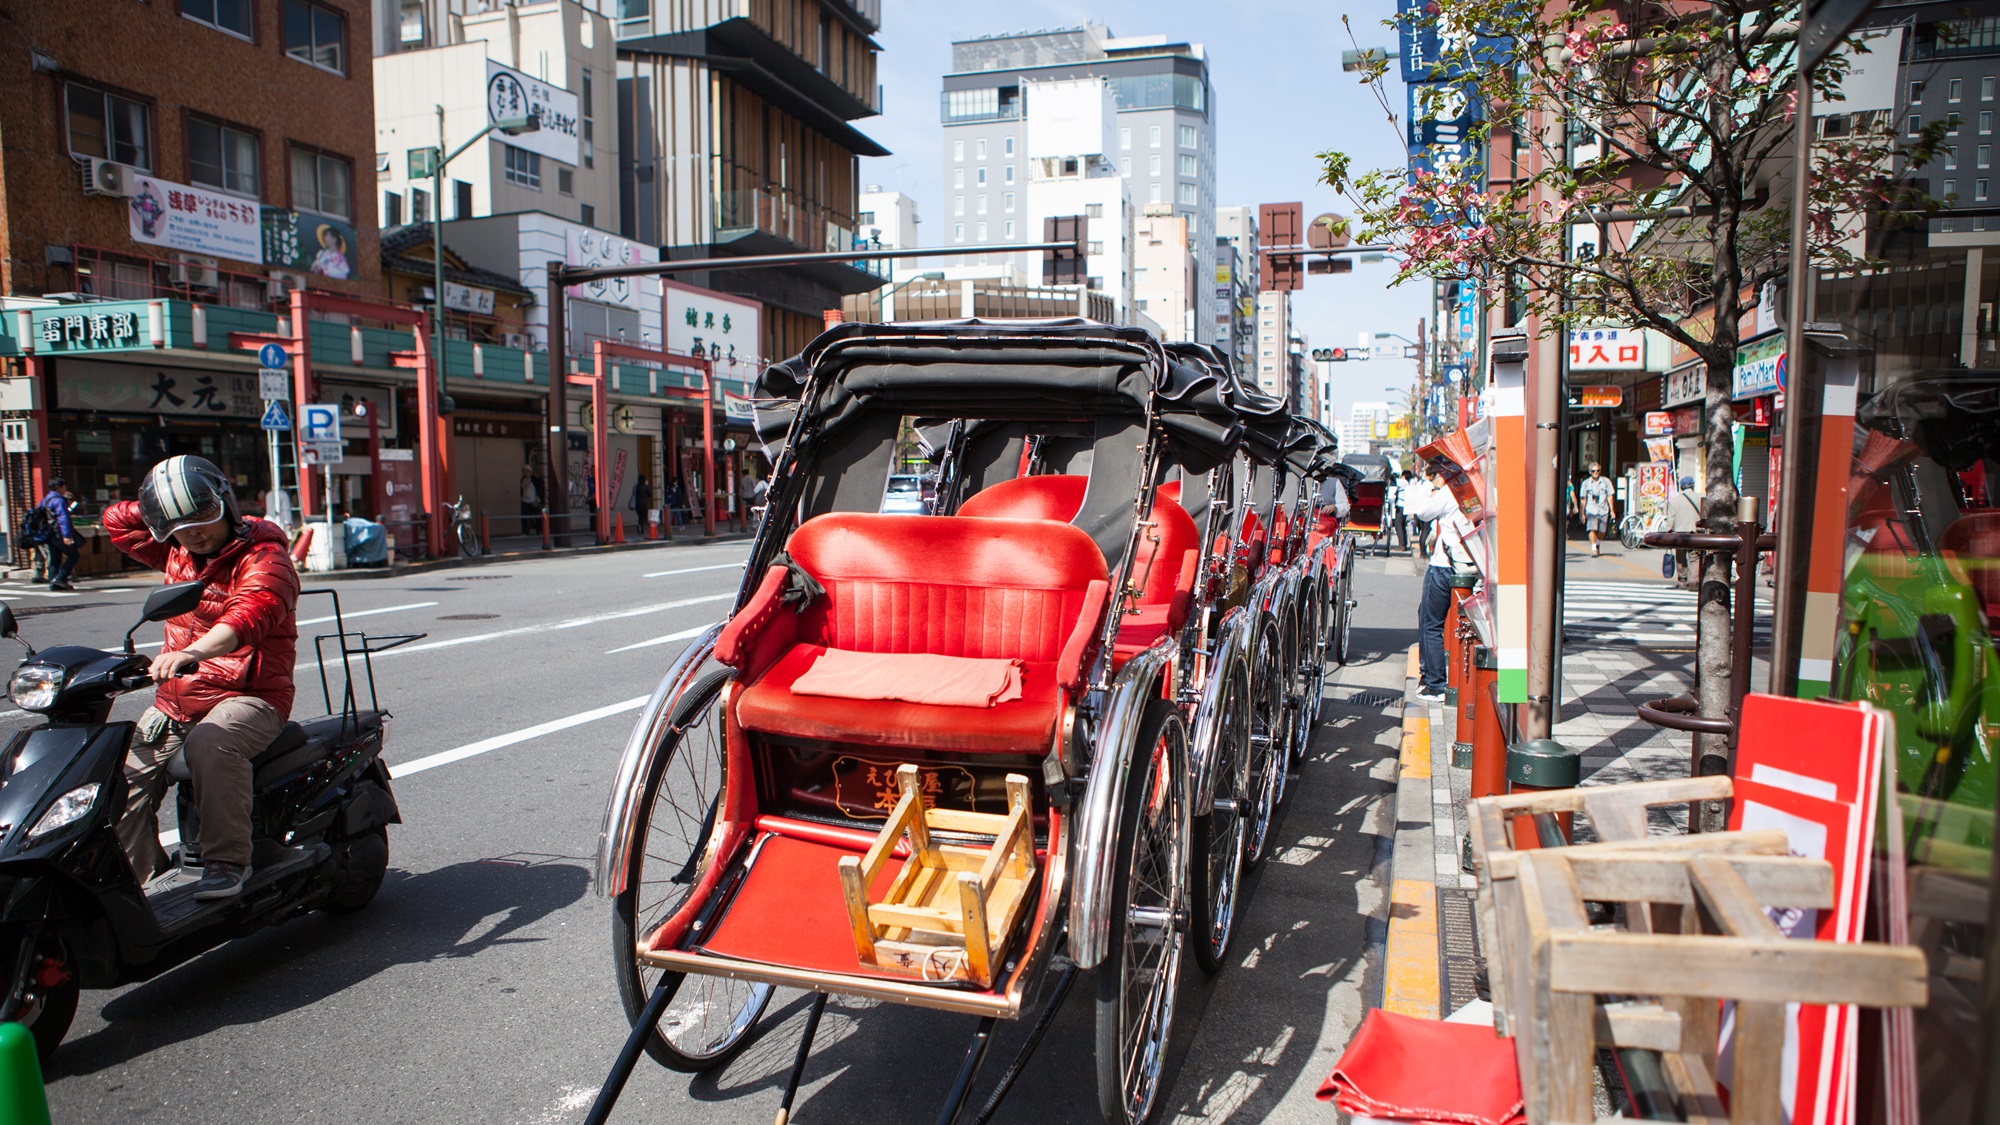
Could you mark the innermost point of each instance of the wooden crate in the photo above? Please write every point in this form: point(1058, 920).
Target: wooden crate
point(948, 913)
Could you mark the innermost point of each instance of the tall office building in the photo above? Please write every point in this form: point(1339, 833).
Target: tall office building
point(1273, 364)
point(1162, 142)
point(1236, 293)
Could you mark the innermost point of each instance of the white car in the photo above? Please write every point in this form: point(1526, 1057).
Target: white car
point(905, 496)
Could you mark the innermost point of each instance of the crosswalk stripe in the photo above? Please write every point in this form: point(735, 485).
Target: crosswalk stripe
point(1641, 614)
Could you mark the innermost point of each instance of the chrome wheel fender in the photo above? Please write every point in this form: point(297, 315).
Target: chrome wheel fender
point(621, 812)
point(1096, 814)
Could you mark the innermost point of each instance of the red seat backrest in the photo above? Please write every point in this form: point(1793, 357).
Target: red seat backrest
point(1171, 491)
point(1157, 567)
point(950, 585)
point(1049, 497)
point(1975, 538)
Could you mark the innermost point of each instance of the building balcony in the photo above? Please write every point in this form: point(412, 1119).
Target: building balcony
point(762, 221)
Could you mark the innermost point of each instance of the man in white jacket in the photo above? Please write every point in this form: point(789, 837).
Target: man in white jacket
point(1437, 506)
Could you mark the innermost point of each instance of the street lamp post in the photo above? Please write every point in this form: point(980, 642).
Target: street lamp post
point(511, 126)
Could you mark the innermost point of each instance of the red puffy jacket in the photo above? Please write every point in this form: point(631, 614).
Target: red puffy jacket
point(252, 587)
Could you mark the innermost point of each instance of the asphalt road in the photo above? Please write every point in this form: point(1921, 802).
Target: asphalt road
point(477, 986)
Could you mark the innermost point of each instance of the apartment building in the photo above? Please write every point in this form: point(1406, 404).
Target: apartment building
point(1236, 293)
point(1163, 272)
point(1162, 139)
point(1272, 364)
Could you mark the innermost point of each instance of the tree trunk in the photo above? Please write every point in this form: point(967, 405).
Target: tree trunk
point(1713, 633)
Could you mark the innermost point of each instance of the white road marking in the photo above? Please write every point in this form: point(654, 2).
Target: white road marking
point(324, 620)
point(473, 749)
point(684, 634)
point(573, 623)
point(693, 570)
point(7, 592)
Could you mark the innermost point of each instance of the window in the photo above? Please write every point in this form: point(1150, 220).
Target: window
point(958, 150)
point(1186, 195)
point(523, 167)
point(979, 204)
point(1007, 174)
point(586, 112)
point(420, 205)
point(1125, 137)
point(589, 215)
point(958, 177)
point(221, 157)
point(958, 205)
point(1093, 210)
point(109, 127)
point(320, 183)
point(1007, 147)
point(565, 181)
point(1951, 125)
point(232, 16)
point(1007, 201)
point(1125, 166)
point(1986, 88)
point(1955, 91)
point(392, 209)
point(1916, 92)
point(383, 170)
point(1156, 136)
point(1979, 191)
point(316, 35)
point(1155, 193)
point(461, 199)
point(1950, 158)
point(982, 232)
point(1155, 164)
point(958, 232)
point(1986, 121)
point(1950, 189)
point(979, 149)
point(1094, 248)
point(1915, 126)
point(979, 177)
point(1985, 156)
point(1010, 229)
point(1188, 137)
point(1190, 167)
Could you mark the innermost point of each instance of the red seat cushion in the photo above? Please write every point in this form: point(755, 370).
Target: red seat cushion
point(1021, 726)
point(1975, 538)
point(1049, 497)
point(1138, 631)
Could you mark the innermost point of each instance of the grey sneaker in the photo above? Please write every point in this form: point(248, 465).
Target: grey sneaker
point(221, 880)
point(1427, 697)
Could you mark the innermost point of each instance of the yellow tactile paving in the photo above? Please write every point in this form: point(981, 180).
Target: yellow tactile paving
point(1410, 970)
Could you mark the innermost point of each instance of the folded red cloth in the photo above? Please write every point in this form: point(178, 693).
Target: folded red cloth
point(1428, 1071)
point(913, 677)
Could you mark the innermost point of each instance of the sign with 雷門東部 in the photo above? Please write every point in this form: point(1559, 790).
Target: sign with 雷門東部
point(727, 330)
point(510, 93)
point(195, 220)
point(316, 244)
point(145, 388)
point(90, 328)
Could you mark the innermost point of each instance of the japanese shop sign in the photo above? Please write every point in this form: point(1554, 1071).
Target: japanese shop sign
point(1757, 369)
point(1659, 423)
point(313, 243)
point(1606, 349)
point(1684, 384)
point(468, 298)
point(1596, 397)
point(591, 249)
point(89, 329)
point(725, 329)
point(510, 93)
point(197, 220)
point(1427, 35)
point(130, 388)
point(1443, 113)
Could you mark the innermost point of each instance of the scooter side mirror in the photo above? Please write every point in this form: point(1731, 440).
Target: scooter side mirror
point(8, 626)
point(168, 601)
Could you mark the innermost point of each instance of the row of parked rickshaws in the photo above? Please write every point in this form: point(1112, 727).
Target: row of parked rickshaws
point(1126, 532)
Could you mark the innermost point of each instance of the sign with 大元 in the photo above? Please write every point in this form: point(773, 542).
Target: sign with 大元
point(315, 244)
point(1756, 372)
point(510, 93)
point(1606, 349)
point(723, 329)
point(196, 220)
point(131, 388)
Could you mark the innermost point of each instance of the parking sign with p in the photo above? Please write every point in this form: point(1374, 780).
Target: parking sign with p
point(319, 422)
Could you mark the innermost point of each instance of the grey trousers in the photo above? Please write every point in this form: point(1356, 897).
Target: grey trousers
point(219, 748)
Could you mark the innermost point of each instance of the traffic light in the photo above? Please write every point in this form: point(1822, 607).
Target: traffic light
point(1064, 265)
point(1280, 226)
point(1329, 355)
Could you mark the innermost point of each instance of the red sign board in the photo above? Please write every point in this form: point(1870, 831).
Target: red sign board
point(1601, 396)
point(1659, 423)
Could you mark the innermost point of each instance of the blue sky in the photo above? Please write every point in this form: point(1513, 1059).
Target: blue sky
point(1280, 98)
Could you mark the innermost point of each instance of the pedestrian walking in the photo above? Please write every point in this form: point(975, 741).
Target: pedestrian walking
point(642, 499)
point(62, 535)
point(1597, 500)
point(1683, 514)
point(1438, 507)
point(531, 499)
point(1403, 489)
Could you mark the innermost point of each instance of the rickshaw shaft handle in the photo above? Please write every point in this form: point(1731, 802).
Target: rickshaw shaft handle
point(628, 1055)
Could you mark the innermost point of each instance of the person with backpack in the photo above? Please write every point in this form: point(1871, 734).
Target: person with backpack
point(58, 533)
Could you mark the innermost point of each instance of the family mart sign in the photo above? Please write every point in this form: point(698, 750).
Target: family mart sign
point(1760, 369)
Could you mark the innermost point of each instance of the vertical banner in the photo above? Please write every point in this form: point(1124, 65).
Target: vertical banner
point(1510, 521)
point(1828, 551)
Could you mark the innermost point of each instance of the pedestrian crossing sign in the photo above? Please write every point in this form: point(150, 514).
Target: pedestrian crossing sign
point(275, 417)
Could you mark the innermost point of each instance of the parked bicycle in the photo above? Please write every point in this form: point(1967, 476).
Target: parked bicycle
point(463, 527)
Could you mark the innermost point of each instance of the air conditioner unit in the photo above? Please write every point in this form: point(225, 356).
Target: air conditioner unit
point(281, 284)
point(195, 272)
point(107, 177)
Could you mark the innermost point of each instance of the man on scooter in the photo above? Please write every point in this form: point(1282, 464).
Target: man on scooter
point(224, 673)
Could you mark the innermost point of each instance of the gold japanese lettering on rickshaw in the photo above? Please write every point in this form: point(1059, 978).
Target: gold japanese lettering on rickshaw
point(866, 790)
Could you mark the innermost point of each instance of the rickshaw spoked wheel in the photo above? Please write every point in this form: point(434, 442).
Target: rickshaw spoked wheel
point(1291, 698)
point(710, 1018)
point(1268, 740)
point(1139, 980)
point(1343, 595)
point(1220, 838)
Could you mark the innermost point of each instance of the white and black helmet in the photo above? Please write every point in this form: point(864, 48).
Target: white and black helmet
point(183, 492)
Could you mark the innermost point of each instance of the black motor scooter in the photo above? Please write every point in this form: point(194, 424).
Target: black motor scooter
point(72, 914)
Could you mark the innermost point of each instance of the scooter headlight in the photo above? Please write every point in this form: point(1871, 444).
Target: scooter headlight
point(34, 686)
point(68, 809)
